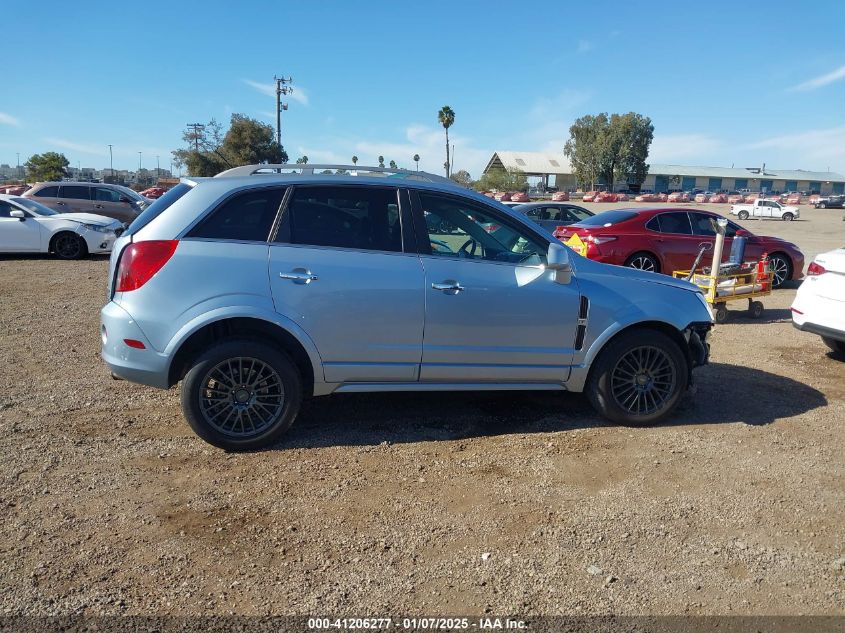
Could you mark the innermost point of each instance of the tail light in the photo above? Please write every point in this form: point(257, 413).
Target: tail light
point(815, 269)
point(601, 239)
point(140, 261)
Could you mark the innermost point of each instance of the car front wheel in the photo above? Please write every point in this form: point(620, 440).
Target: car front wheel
point(67, 245)
point(638, 378)
point(788, 217)
point(241, 395)
point(781, 268)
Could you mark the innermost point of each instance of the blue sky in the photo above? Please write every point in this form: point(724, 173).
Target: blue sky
point(724, 82)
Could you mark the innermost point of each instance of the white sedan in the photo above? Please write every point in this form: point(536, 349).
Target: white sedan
point(819, 305)
point(27, 226)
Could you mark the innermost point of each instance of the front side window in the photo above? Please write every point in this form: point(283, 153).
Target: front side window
point(360, 218)
point(245, 217)
point(47, 192)
point(703, 224)
point(75, 192)
point(5, 209)
point(102, 194)
point(676, 223)
point(461, 229)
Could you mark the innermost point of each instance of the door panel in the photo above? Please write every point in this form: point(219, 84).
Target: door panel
point(508, 324)
point(364, 311)
point(18, 236)
point(107, 202)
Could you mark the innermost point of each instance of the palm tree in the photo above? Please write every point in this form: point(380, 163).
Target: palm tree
point(393, 164)
point(446, 116)
point(302, 161)
point(354, 160)
point(417, 161)
point(381, 161)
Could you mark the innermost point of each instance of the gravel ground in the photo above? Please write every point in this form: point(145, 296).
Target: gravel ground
point(419, 504)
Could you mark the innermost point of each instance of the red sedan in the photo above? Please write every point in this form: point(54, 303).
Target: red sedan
point(665, 240)
point(154, 192)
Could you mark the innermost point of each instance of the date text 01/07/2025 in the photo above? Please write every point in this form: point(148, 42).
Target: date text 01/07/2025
point(411, 624)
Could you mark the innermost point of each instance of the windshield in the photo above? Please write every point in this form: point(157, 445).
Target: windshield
point(608, 218)
point(35, 207)
point(157, 208)
point(132, 194)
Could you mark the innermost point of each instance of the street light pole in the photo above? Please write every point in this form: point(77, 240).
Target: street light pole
point(281, 89)
point(111, 163)
point(18, 168)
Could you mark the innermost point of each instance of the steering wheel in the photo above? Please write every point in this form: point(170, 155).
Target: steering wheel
point(463, 252)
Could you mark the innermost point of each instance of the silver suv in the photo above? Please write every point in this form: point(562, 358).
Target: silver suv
point(258, 288)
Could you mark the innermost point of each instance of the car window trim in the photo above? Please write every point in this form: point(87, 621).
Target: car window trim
point(282, 227)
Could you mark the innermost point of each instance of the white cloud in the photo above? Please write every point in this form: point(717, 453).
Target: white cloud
point(82, 148)
point(820, 81)
point(8, 119)
point(585, 46)
point(298, 93)
point(817, 149)
point(679, 148)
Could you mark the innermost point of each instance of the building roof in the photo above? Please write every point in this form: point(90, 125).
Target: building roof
point(770, 173)
point(541, 163)
point(530, 162)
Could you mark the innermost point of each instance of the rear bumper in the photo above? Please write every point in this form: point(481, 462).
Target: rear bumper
point(144, 366)
point(821, 330)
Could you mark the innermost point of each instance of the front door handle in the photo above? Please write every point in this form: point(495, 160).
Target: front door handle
point(449, 287)
point(98, 206)
point(299, 276)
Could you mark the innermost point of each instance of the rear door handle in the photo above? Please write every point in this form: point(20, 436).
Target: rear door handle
point(449, 287)
point(299, 276)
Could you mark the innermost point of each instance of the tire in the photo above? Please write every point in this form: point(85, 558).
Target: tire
point(821, 206)
point(781, 266)
point(742, 215)
point(266, 394)
point(834, 345)
point(788, 217)
point(67, 245)
point(643, 261)
point(755, 309)
point(720, 313)
point(612, 385)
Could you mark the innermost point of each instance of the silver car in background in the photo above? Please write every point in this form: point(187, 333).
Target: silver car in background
point(257, 288)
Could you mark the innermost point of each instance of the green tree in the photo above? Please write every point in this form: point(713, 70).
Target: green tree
point(393, 164)
point(354, 160)
point(381, 161)
point(610, 148)
point(209, 151)
point(417, 161)
point(446, 116)
point(462, 177)
point(302, 160)
point(47, 166)
point(502, 180)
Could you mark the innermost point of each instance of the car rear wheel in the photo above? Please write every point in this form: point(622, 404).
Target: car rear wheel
point(742, 215)
point(788, 217)
point(643, 261)
point(834, 345)
point(638, 378)
point(67, 245)
point(821, 206)
point(781, 266)
point(241, 395)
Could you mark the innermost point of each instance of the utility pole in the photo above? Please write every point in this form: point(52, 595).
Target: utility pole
point(138, 177)
point(158, 168)
point(111, 163)
point(197, 128)
point(18, 168)
point(282, 88)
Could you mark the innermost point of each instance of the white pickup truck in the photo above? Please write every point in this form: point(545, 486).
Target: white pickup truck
point(765, 209)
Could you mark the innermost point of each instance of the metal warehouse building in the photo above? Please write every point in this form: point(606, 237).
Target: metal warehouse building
point(553, 170)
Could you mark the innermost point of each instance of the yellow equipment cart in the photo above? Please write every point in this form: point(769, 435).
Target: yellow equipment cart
point(744, 283)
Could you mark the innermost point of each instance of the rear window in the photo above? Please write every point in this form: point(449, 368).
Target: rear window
point(245, 217)
point(608, 218)
point(157, 208)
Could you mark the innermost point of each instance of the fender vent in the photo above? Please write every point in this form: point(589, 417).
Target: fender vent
point(581, 330)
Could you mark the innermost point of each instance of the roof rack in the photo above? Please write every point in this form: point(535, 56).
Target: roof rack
point(348, 170)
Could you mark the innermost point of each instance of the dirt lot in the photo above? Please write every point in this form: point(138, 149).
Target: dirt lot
point(420, 504)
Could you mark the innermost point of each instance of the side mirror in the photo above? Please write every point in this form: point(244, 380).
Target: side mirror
point(17, 213)
point(557, 260)
point(125, 199)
